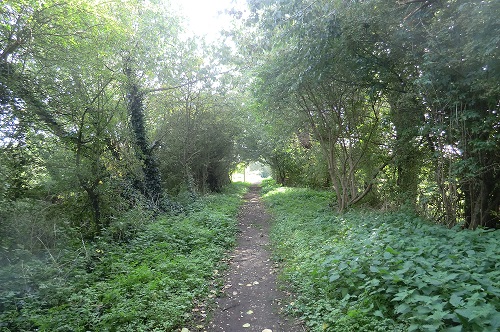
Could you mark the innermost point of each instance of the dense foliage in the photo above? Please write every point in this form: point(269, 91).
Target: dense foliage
point(95, 100)
point(400, 99)
point(149, 281)
point(372, 271)
point(112, 122)
point(114, 125)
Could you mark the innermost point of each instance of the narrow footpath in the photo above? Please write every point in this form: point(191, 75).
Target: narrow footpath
point(252, 302)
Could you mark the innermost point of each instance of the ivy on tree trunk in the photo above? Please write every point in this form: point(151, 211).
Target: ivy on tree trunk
point(150, 186)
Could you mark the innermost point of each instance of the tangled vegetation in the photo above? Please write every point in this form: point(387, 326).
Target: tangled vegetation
point(389, 102)
point(149, 283)
point(392, 271)
point(115, 124)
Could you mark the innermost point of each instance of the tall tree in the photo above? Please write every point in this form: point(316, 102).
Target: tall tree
point(62, 73)
point(308, 72)
point(151, 184)
point(460, 82)
point(54, 66)
point(430, 66)
point(199, 124)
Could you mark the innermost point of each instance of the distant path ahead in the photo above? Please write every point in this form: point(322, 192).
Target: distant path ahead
point(252, 302)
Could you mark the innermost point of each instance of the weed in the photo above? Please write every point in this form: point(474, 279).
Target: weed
point(371, 271)
point(148, 282)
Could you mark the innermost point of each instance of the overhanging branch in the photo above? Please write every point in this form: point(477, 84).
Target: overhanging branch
point(161, 89)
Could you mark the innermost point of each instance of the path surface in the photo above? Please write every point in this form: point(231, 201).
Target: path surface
point(252, 302)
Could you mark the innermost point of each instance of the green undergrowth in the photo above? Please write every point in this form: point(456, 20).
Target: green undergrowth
point(150, 283)
point(374, 271)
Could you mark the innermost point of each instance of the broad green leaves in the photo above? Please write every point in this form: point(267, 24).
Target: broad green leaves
point(394, 266)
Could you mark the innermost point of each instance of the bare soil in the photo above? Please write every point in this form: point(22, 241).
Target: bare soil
point(251, 301)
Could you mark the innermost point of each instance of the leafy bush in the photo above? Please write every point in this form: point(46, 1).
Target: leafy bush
point(268, 185)
point(31, 224)
point(148, 283)
point(391, 271)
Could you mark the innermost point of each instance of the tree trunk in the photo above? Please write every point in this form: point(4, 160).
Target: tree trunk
point(482, 200)
point(95, 202)
point(89, 187)
point(151, 185)
point(482, 188)
point(406, 116)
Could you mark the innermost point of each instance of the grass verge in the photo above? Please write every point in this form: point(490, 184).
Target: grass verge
point(373, 271)
point(153, 282)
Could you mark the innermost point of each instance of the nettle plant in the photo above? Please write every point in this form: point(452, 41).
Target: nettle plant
point(425, 275)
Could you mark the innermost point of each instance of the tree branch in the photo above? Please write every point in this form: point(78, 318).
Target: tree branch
point(186, 83)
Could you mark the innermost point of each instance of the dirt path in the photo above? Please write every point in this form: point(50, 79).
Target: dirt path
point(252, 302)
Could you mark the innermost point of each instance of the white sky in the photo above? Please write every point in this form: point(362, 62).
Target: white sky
point(203, 15)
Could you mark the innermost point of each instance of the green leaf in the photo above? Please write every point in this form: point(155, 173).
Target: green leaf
point(467, 313)
point(455, 300)
point(403, 308)
point(391, 251)
point(402, 295)
point(342, 266)
point(413, 327)
point(430, 328)
point(495, 320)
point(334, 276)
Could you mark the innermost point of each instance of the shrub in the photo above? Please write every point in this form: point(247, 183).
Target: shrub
point(32, 224)
point(391, 270)
point(268, 185)
point(148, 283)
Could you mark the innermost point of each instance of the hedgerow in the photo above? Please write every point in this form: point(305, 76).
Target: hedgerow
point(371, 271)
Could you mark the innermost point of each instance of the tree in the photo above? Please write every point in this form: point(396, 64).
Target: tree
point(460, 84)
point(54, 68)
point(198, 127)
point(387, 53)
point(428, 65)
point(151, 185)
point(308, 73)
point(63, 73)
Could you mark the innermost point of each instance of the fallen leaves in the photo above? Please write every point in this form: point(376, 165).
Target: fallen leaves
point(246, 325)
